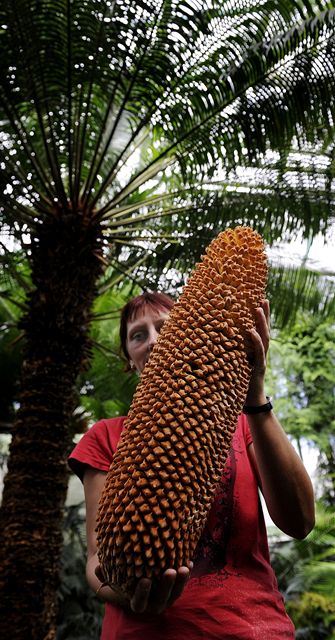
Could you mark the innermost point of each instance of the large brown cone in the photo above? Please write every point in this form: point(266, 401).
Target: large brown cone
point(164, 474)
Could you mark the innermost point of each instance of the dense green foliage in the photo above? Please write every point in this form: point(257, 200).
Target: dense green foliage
point(105, 388)
point(302, 379)
point(80, 612)
point(303, 364)
point(306, 576)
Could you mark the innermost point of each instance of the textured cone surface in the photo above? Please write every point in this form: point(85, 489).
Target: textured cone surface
point(163, 477)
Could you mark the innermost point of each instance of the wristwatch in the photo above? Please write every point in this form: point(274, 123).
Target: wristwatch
point(263, 408)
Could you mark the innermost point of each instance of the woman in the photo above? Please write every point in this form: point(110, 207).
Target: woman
point(230, 590)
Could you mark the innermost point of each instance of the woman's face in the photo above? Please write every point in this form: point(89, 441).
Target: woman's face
point(142, 333)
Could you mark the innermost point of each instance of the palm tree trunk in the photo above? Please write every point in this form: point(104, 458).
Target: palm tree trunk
point(65, 267)
point(328, 468)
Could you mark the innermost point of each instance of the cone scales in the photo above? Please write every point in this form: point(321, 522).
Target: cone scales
point(163, 477)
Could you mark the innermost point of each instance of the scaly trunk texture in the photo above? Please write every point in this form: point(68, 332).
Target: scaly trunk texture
point(327, 466)
point(65, 266)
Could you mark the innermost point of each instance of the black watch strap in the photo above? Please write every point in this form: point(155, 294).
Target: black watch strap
point(263, 408)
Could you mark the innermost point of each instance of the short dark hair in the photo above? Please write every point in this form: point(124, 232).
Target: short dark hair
point(156, 300)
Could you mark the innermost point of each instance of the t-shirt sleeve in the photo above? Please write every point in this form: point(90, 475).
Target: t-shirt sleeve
point(97, 447)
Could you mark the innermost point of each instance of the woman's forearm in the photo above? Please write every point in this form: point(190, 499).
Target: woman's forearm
point(285, 483)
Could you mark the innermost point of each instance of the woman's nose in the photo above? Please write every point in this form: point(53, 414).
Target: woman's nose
point(152, 339)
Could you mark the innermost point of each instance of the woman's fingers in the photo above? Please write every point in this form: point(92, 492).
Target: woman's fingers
point(260, 339)
point(164, 593)
point(153, 600)
point(266, 308)
point(182, 578)
point(262, 325)
point(140, 600)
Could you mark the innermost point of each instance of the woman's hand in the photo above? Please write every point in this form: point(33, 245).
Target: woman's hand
point(147, 599)
point(260, 338)
point(169, 588)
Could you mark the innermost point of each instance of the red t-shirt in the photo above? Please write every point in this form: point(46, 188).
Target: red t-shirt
point(232, 592)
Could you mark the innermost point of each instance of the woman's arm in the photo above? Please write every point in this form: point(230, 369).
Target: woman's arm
point(94, 481)
point(284, 481)
point(171, 585)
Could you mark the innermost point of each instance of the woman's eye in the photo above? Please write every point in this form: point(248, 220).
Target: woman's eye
point(139, 335)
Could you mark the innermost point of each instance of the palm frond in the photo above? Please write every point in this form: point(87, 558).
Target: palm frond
point(185, 74)
point(294, 288)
